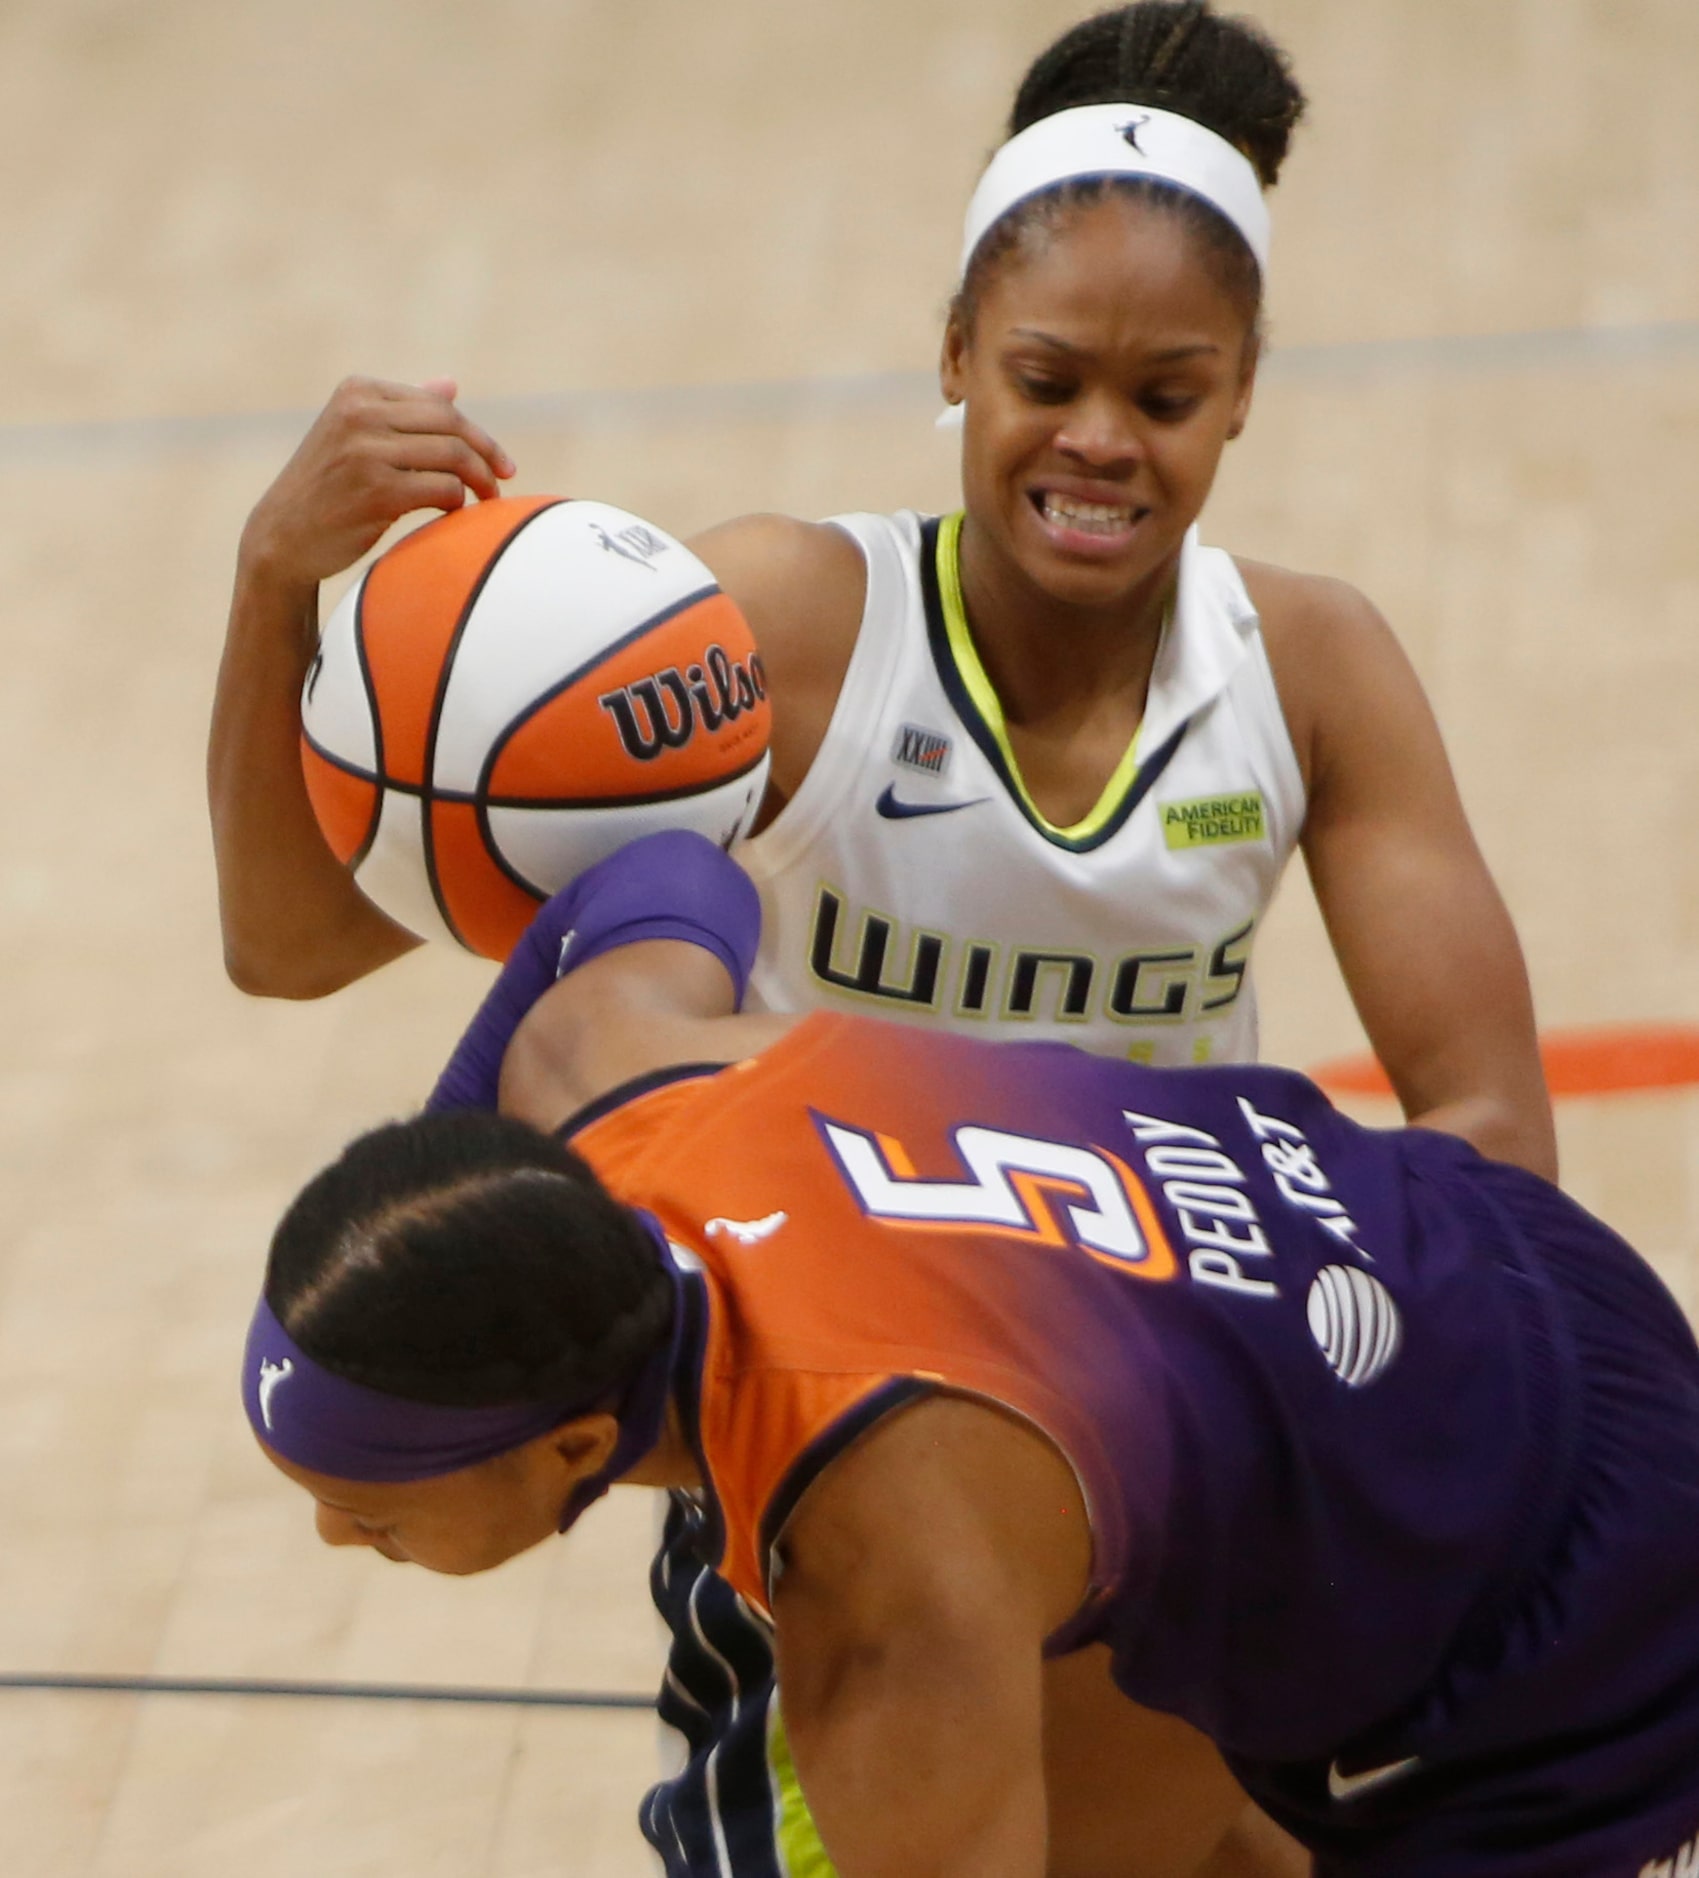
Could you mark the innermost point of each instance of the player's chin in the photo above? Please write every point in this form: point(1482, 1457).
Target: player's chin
point(463, 1565)
point(451, 1568)
point(471, 1564)
point(1095, 584)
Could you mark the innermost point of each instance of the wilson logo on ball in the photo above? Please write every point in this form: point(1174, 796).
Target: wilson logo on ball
point(664, 710)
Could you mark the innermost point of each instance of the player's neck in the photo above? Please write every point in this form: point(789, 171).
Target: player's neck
point(1045, 656)
point(671, 1462)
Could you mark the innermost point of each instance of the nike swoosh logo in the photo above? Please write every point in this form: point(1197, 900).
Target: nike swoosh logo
point(894, 810)
point(1351, 1786)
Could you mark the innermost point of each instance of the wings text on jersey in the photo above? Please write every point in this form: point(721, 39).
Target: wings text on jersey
point(1051, 1192)
point(884, 958)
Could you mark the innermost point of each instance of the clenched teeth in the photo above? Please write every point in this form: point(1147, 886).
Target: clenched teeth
point(1097, 518)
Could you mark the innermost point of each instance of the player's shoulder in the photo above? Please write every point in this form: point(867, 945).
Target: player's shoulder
point(788, 576)
point(802, 586)
point(1304, 614)
point(1327, 642)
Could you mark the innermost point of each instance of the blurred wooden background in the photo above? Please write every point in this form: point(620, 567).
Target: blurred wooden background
point(691, 259)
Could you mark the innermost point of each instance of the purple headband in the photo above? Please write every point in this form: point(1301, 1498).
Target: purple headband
point(329, 1425)
point(325, 1423)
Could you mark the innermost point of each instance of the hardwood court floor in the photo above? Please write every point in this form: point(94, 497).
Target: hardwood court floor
point(218, 210)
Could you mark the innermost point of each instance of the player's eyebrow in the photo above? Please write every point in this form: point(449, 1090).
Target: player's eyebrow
point(1168, 355)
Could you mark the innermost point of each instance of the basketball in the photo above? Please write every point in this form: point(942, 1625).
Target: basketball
point(516, 690)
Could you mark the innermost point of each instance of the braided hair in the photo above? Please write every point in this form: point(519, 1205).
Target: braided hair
point(467, 1260)
point(1173, 55)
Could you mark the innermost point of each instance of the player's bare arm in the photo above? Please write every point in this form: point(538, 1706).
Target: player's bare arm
point(642, 1008)
point(1421, 932)
point(920, 1576)
point(294, 923)
point(901, 1678)
point(1134, 1792)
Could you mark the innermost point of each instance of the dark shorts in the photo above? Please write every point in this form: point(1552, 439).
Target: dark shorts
point(724, 1814)
point(1561, 1739)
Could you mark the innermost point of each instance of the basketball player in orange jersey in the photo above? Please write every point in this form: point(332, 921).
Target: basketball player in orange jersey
point(1375, 1460)
point(1001, 739)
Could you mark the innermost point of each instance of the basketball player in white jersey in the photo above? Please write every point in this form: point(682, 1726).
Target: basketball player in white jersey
point(1037, 767)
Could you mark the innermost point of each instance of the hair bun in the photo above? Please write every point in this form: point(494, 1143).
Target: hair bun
point(1177, 55)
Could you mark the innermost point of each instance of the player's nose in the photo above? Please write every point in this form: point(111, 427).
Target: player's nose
point(1101, 426)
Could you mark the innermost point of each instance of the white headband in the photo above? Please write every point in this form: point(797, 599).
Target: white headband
point(1120, 140)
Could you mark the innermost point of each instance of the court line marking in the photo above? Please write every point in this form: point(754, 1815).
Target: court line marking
point(322, 1691)
point(644, 407)
point(1601, 1059)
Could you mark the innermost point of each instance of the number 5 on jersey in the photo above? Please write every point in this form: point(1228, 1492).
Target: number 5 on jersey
point(1019, 1186)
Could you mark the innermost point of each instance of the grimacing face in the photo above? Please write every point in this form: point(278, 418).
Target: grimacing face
point(465, 1522)
point(1105, 371)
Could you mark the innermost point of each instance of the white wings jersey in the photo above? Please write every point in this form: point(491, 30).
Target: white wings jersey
point(911, 876)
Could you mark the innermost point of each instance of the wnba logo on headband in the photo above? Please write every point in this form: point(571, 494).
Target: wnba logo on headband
point(1103, 140)
point(330, 1425)
point(271, 1376)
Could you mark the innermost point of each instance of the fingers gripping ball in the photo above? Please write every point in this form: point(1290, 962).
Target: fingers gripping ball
point(515, 691)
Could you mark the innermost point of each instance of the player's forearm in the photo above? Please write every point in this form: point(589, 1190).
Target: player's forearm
point(294, 924)
point(1467, 1060)
point(1444, 998)
point(1473, 1067)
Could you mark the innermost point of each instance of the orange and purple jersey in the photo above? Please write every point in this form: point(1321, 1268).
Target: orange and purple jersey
point(1198, 1276)
point(1347, 1407)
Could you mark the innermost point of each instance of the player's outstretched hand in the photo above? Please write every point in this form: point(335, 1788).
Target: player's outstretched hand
point(376, 452)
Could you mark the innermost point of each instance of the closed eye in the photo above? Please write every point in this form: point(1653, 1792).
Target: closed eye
point(1168, 408)
point(1046, 390)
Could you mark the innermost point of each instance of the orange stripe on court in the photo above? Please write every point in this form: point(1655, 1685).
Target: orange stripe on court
point(1608, 1059)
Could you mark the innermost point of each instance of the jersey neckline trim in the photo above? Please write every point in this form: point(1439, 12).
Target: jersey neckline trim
point(970, 691)
point(709, 1541)
point(629, 1091)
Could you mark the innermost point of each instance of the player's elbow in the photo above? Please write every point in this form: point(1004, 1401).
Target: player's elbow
point(1512, 1120)
point(1523, 1135)
point(1514, 1128)
point(257, 977)
point(262, 969)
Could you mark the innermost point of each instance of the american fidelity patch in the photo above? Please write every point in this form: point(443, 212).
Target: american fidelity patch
point(1214, 821)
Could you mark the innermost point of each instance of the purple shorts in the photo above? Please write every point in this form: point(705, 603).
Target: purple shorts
point(1561, 1739)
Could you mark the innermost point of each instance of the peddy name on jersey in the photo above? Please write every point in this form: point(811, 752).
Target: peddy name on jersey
point(1205, 1186)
